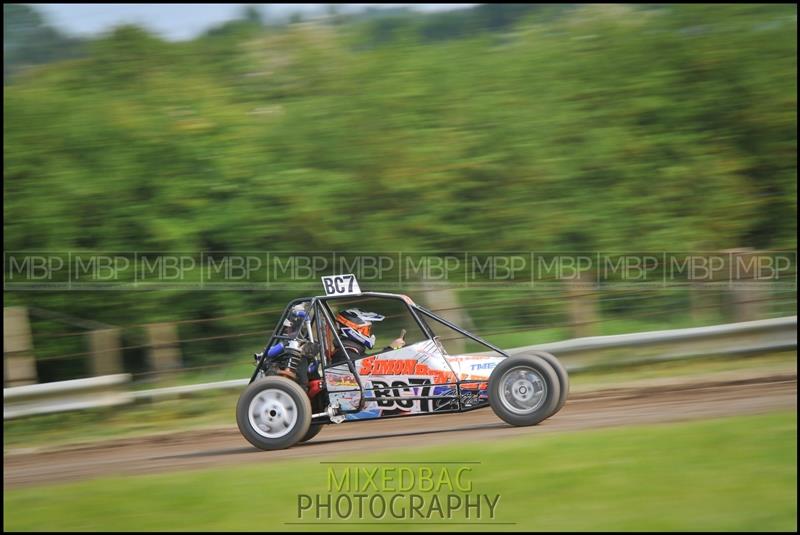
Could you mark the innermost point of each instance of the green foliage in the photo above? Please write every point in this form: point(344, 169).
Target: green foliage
point(589, 128)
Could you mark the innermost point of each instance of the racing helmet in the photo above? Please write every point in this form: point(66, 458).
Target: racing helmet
point(356, 325)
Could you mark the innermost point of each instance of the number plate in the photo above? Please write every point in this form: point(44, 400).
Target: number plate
point(341, 285)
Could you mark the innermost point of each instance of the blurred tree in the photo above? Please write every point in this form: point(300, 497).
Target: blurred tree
point(252, 13)
point(669, 128)
point(335, 14)
point(29, 40)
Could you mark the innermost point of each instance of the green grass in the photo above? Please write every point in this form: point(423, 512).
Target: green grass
point(216, 408)
point(209, 409)
point(726, 474)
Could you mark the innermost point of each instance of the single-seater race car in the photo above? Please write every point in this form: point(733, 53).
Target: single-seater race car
point(352, 355)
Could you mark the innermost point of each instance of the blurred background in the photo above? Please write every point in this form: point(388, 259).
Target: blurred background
point(488, 127)
point(435, 128)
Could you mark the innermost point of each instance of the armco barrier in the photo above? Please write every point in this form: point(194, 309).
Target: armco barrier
point(733, 339)
point(45, 398)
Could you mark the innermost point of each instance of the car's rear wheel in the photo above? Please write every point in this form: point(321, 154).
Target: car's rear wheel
point(273, 413)
point(523, 390)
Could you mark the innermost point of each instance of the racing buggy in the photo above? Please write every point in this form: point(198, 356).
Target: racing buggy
point(352, 355)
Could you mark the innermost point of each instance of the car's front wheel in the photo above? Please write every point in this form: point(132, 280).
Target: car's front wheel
point(273, 413)
point(523, 390)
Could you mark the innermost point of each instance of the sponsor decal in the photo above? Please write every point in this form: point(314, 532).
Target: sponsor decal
point(475, 385)
point(335, 379)
point(405, 367)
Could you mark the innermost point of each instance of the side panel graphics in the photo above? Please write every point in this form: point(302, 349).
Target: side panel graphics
point(419, 370)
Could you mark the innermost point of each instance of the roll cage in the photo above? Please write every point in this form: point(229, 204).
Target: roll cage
point(319, 318)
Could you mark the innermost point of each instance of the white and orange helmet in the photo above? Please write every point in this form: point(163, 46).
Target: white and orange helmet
point(356, 325)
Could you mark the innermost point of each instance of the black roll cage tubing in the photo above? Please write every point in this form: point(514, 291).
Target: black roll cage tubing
point(318, 307)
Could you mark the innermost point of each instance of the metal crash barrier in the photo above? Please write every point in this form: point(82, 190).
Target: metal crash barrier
point(579, 354)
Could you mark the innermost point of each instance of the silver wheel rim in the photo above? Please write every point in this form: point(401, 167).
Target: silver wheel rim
point(272, 413)
point(522, 390)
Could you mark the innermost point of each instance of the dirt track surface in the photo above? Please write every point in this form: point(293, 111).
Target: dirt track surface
point(584, 410)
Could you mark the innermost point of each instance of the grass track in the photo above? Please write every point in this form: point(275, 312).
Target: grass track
point(726, 474)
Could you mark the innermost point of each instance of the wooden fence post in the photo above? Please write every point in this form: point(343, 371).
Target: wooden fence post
point(106, 355)
point(444, 302)
point(746, 297)
point(19, 364)
point(165, 353)
point(582, 305)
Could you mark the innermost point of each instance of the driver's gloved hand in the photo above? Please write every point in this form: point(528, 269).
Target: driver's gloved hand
point(397, 343)
point(400, 341)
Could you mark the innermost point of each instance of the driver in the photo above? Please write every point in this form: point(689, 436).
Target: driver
point(355, 332)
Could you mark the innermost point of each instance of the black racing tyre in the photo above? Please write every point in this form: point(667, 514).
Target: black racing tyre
point(273, 413)
point(312, 432)
point(561, 372)
point(523, 390)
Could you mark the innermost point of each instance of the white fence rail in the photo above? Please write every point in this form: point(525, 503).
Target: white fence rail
point(733, 339)
point(45, 398)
